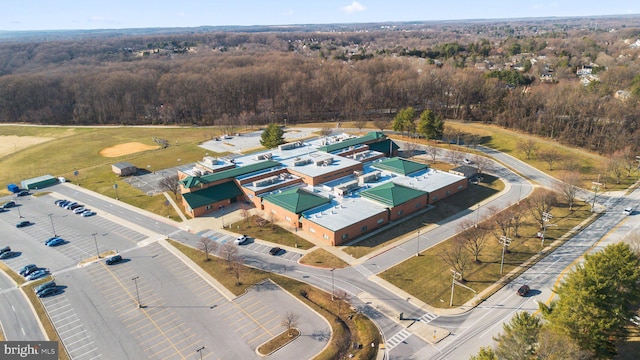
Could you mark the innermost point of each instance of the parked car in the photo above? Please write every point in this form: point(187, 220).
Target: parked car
point(8, 255)
point(523, 290)
point(37, 274)
point(30, 271)
point(23, 193)
point(79, 210)
point(48, 292)
point(9, 204)
point(275, 251)
point(47, 285)
point(69, 205)
point(241, 240)
point(628, 211)
point(64, 203)
point(23, 270)
point(54, 241)
point(73, 207)
point(5, 249)
point(24, 223)
point(111, 260)
point(88, 213)
point(57, 202)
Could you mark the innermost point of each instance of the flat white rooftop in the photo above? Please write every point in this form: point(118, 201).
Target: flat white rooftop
point(350, 210)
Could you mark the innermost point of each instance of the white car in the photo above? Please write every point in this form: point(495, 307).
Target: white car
point(467, 161)
point(80, 210)
point(241, 240)
point(628, 211)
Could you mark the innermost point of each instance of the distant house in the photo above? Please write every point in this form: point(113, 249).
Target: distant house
point(547, 78)
point(584, 70)
point(622, 95)
point(124, 169)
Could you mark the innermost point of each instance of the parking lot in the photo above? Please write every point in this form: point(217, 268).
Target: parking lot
point(251, 245)
point(96, 312)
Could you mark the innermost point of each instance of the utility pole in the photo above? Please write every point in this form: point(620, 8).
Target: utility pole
point(595, 185)
point(135, 280)
point(418, 248)
point(199, 351)
point(96, 241)
point(115, 187)
point(545, 219)
point(333, 291)
point(505, 241)
point(456, 276)
point(52, 227)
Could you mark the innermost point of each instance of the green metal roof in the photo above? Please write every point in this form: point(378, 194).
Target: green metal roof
point(192, 181)
point(372, 136)
point(296, 200)
point(383, 146)
point(224, 191)
point(391, 194)
point(399, 166)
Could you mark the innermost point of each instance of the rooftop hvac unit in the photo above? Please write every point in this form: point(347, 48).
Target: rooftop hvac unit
point(266, 181)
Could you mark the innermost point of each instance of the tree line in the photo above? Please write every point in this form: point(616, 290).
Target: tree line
point(242, 80)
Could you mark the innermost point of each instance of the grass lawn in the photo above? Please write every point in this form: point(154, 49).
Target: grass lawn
point(78, 149)
point(323, 258)
point(442, 210)
point(270, 232)
point(277, 342)
point(428, 278)
point(347, 326)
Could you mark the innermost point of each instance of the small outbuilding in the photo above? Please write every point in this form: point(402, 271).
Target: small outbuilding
point(13, 188)
point(124, 169)
point(465, 170)
point(38, 182)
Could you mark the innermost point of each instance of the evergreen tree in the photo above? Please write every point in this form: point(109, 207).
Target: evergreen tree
point(520, 337)
point(272, 136)
point(485, 353)
point(430, 125)
point(404, 120)
point(597, 299)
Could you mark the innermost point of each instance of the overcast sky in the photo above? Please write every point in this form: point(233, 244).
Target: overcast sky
point(118, 14)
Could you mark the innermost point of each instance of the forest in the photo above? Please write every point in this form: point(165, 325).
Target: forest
point(574, 80)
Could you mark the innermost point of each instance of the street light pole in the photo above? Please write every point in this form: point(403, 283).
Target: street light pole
point(545, 219)
point(199, 351)
point(456, 275)
point(333, 291)
point(52, 227)
point(418, 248)
point(96, 241)
point(222, 216)
point(478, 215)
point(135, 280)
point(505, 241)
point(18, 207)
point(595, 185)
point(115, 187)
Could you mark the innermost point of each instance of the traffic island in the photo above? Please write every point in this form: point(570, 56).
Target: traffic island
point(278, 342)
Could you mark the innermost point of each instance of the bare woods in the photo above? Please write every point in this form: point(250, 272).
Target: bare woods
point(520, 76)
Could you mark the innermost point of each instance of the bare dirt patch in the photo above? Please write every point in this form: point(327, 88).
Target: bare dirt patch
point(125, 149)
point(13, 143)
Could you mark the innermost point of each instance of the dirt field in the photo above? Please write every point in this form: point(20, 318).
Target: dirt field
point(125, 149)
point(13, 143)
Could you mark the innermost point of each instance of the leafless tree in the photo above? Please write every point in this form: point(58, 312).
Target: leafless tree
point(615, 166)
point(229, 251)
point(433, 152)
point(550, 156)
point(503, 223)
point(482, 163)
point(246, 214)
point(360, 124)
point(207, 246)
point(474, 236)
point(528, 147)
point(381, 123)
point(289, 322)
point(325, 131)
point(454, 157)
point(341, 296)
point(540, 202)
point(236, 266)
point(569, 188)
point(456, 256)
point(171, 184)
point(410, 149)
